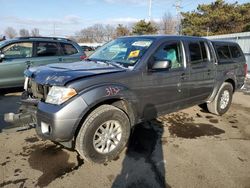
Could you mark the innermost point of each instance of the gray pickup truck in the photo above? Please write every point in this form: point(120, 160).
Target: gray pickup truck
point(92, 105)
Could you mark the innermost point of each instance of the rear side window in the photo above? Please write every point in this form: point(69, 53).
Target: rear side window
point(195, 52)
point(204, 51)
point(198, 52)
point(47, 49)
point(68, 49)
point(223, 52)
point(235, 51)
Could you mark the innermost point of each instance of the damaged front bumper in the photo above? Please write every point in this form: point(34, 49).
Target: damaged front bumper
point(57, 123)
point(25, 118)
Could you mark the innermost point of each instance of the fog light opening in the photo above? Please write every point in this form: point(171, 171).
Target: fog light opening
point(46, 129)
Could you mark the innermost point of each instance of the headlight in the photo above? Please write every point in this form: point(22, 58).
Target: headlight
point(58, 95)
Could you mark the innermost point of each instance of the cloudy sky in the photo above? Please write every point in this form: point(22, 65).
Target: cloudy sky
point(69, 16)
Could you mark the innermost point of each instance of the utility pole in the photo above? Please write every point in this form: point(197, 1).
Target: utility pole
point(207, 31)
point(150, 10)
point(178, 7)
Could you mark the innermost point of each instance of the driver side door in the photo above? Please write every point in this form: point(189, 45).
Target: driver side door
point(16, 58)
point(166, 90)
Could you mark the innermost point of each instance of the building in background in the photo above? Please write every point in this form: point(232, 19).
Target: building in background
point(243, 39)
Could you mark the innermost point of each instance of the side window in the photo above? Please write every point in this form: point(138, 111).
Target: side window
point(223, 52)
point(195, 52)
point(204, 51)
point(199, 52)
point(68, 49)
point(235, 51)
point(18, 50)
point(171, 52)
point(47, 49)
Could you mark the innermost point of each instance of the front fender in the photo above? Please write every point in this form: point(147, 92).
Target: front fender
point(99, 94)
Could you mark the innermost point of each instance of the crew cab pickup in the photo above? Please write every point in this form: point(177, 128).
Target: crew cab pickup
point(92, 105)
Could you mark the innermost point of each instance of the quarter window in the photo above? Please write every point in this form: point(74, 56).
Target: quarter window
point(18, 50)
point(47, 49)
point(170, 52)
point(223, 52)
point(68, 49)
point(235, 51)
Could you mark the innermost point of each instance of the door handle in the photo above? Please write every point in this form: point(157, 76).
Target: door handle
point(60, 59)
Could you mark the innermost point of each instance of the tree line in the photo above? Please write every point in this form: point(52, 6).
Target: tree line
point(215, 18)
point(10, 32)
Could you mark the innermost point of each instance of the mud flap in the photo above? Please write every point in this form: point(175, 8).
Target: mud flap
point(23, 120)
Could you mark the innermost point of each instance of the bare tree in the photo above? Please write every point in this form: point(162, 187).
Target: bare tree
point(99, 32)
point(10, 32)
point(96, 33)
point(85, 35)
point(35, 32)
point(169, 24)
point(24, 33)
point(109, 33)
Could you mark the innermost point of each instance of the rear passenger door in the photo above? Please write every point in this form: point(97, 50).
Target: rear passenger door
point(69, 53)
point(46, 53)
point(202, 70)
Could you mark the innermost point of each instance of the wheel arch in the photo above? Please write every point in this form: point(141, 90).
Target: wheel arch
point(218, 85)
point(120, 103)
point(232, 82)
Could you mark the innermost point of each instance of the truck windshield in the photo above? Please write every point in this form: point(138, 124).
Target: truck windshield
point(125, 51)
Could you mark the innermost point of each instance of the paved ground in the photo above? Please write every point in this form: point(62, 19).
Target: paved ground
point(190, 148)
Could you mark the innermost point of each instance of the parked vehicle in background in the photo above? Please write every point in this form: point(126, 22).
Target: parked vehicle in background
point(19, 53)
point(87, 48)
point(93, 106)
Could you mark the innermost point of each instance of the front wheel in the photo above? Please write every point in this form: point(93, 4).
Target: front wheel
point(103, 135)
point(222, 100)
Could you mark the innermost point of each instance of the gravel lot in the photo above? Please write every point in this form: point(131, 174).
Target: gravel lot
point(189, 148)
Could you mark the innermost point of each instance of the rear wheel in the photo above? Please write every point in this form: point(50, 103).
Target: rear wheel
point(103, 135)
point(222, 100)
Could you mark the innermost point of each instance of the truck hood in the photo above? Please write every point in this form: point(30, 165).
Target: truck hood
point(61, 73)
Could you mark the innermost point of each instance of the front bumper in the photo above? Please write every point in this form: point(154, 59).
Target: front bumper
point(59, 122)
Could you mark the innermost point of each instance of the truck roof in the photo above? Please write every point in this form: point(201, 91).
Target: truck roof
point(223, 42)
point(164, 36)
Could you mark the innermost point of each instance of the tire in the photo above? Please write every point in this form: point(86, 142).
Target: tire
point(94, 127)
point(217, 106)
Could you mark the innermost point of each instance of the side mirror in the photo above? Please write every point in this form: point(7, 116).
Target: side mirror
point(161, 65)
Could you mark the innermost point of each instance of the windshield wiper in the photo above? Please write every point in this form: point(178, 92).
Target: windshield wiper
point(116, 64)
point(108, 62)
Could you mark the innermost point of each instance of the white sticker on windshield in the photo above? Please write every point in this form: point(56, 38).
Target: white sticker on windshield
point(142, 43)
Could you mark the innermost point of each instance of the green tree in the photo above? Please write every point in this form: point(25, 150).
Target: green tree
point(121, 30)
point(218, 17)
point(143, 28)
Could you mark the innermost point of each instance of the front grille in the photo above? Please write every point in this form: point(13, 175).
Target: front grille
point(37, 90)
